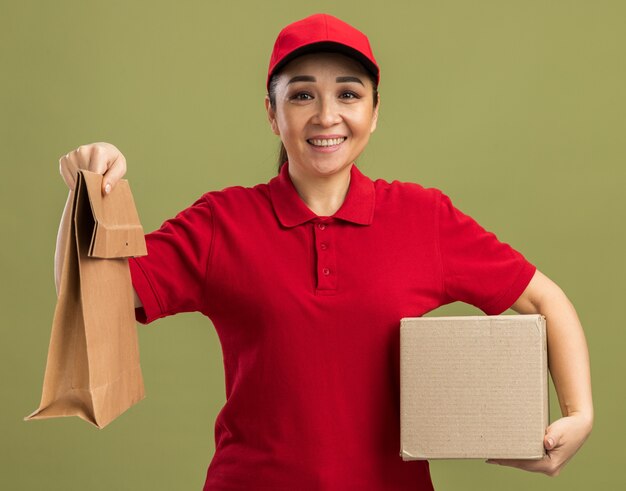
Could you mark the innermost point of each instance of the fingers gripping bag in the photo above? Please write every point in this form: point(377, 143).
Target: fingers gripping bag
point(93, 370)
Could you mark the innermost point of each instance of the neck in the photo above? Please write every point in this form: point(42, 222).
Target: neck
point(324, 195)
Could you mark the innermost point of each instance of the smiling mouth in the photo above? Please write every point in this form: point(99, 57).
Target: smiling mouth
point(326, 142)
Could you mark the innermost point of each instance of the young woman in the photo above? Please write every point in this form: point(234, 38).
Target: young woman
point(306, 278)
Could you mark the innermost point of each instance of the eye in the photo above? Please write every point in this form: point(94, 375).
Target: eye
point(301, 96)
point(349, 95)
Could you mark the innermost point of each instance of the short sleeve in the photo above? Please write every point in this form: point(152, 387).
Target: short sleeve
point(477, 268)
point(171, 278)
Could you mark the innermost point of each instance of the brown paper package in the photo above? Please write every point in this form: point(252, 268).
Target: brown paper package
point(93, 370)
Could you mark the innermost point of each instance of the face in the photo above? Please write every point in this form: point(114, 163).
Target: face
point(324, 112)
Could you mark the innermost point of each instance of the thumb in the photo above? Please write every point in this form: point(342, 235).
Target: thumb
point(114, 174)
point(551, 439)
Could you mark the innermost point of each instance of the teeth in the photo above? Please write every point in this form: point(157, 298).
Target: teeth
point(327, 143)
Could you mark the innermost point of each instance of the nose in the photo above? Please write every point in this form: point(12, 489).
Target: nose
point(328, 113)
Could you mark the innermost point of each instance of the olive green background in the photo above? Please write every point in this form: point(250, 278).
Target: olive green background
point(514, 109)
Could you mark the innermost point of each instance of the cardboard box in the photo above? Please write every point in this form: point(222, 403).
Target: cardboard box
point(473, 387)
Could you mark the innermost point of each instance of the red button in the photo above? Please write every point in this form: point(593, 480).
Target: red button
point(326, 271)
point(324, 246)
point(321, 226)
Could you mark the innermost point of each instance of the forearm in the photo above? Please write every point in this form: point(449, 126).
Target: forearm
point(136, 299)
point(567, 354)
point(59, 253)
point(568, 361)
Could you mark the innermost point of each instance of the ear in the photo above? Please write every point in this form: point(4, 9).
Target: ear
point(375, 116)
point(271, 116)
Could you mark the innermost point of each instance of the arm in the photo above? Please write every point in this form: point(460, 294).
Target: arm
point(569, 367)
point(567, 348)
point(137, 300)
point(59, 253)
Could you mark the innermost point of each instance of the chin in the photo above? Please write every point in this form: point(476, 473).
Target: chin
point(330, 165)
point(330, 169)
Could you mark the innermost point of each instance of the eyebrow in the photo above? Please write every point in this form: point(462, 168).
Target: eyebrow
point(309, 78)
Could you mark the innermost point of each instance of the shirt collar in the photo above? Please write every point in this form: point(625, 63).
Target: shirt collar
point(291, 210)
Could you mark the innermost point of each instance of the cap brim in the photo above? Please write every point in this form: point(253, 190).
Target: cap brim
point(328, 47)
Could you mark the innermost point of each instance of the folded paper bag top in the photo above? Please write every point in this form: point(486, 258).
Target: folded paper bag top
point(93, 370)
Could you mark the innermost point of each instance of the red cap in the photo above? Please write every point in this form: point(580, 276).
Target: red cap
point(321, 32)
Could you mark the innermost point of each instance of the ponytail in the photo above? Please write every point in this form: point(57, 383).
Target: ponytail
point(282, 156)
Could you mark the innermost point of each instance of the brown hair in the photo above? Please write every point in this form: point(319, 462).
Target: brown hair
point(282, 152)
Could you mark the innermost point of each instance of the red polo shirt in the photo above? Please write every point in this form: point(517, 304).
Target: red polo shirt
point(307, 309)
